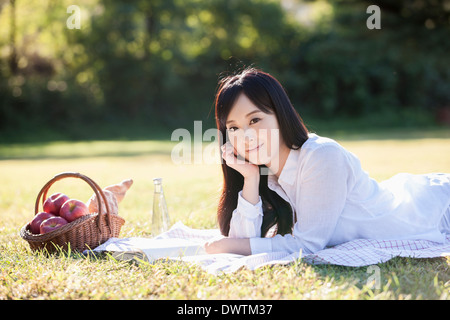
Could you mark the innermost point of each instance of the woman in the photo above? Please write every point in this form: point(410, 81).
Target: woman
point(288, 190)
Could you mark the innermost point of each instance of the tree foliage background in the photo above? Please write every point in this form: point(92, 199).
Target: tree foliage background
point(154, 64)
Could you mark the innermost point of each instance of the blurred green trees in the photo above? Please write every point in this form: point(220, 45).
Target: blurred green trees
point(404, 66)
point(155, 63)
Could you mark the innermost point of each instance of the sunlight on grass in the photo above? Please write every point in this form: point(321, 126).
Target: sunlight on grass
point(192, 193)
point(61, 149)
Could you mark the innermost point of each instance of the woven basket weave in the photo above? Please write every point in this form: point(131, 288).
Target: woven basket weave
point(86, 232)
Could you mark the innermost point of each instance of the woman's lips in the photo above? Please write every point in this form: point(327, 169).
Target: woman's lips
point(254, 149)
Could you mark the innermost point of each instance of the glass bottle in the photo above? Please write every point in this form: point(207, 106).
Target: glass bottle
point(160, 217)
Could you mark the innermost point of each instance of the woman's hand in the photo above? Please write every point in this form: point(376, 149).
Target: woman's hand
point(247, 169)
point(228, 245)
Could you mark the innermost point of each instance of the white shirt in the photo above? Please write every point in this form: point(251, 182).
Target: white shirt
point(335, 201)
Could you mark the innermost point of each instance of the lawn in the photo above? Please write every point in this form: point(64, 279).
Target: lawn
point(192, 192)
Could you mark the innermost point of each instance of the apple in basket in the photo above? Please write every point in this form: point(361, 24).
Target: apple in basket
point(52, 224)
point(54, 203)
point(73, 209)
point(35, 224)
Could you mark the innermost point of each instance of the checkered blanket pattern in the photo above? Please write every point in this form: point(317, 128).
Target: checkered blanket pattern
point(355, 253)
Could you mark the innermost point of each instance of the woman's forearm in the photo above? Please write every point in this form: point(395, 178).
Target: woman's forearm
point(229, 245)
point(250, 190)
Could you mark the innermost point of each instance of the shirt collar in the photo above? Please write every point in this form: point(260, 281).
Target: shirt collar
point(289, 171)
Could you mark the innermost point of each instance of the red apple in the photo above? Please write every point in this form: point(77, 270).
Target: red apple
point(52, 224)
point(73, 209)
point(54, 203)
point(35, 224)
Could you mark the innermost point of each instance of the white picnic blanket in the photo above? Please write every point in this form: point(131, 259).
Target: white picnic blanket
point(186, 244)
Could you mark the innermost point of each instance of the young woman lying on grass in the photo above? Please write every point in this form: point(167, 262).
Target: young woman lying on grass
point(286, 189)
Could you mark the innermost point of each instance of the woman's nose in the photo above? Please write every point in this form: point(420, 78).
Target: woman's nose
point(250, 135)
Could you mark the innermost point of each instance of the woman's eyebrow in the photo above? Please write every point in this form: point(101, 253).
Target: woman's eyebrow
point(247, 115)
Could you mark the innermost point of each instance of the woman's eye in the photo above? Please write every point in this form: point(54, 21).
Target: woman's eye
point(232, 129)
point(254, 120)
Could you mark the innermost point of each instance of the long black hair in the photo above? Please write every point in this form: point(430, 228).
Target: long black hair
point(269, 96)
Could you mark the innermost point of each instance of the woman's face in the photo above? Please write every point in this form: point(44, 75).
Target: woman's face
point(255, 135)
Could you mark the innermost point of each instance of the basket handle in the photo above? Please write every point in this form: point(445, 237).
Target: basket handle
point(97, 190)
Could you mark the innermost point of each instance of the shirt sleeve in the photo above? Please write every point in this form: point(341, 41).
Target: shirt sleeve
point(246, 219)
point(321, 195)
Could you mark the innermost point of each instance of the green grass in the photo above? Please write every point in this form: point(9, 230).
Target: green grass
point(192, 192)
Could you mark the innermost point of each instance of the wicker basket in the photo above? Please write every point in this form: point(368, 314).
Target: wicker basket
point(86, 232)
